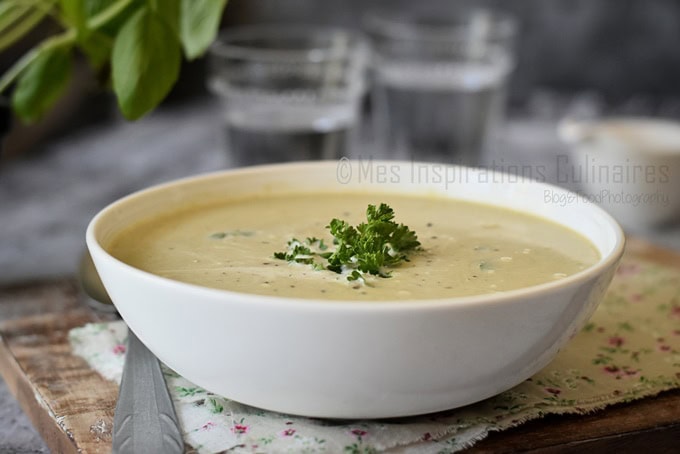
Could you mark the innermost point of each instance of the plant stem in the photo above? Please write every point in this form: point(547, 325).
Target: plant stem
point(108, 14)
point(24, 26)
point(65, 39)
point(10, 13)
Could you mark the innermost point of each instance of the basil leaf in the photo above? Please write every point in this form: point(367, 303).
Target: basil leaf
point(10, 12)
point(169, 12)
point(92, 7)
point(200, 20)
point(124, 10)
point(16, 21)
point(97, 46)
point(145, 63)
point(41, 83)
point(74, 13)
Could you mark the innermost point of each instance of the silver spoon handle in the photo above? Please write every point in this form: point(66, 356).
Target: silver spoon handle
point(145, 419)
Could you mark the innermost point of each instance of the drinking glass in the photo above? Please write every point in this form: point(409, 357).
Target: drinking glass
point(439, 82)
point(288, 92)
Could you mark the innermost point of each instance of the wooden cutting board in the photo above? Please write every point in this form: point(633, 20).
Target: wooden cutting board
point(72, 406)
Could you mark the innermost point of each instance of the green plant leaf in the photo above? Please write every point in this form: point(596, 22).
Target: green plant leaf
point(145, 63)
point(18, 19)
point(74, 13)
point(93, 7)
point(169, 11)
point(199, 21)
point(97, 46)
point(10, 11)
point(108, 16)
point(41, 83)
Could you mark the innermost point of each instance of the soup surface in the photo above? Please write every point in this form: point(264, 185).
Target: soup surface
point(467, 248)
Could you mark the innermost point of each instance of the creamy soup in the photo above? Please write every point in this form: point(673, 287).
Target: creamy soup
point(466, 248)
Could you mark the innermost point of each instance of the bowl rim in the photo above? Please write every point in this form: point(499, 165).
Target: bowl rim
point(454, 26)
point(575, 131)
point(231, 43)
point(605, 262)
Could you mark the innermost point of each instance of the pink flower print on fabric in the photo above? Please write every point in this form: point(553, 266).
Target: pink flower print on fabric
point(616, 341)
point(240, 429)
point(620, 372)
point(675, 312)
point(358, 432)
point(628, 269)
point(662, 345)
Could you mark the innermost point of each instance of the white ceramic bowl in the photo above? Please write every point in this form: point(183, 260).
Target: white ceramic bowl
point(356, 359)
point(630, 166)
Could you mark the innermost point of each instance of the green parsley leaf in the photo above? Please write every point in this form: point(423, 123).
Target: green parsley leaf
point(370, 247)
point(355, 276)
point(297, 252)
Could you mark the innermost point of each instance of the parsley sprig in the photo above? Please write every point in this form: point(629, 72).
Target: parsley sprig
point(369, 248)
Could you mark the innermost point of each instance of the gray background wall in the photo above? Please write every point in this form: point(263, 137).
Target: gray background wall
point(618, 48)
point(623, 54)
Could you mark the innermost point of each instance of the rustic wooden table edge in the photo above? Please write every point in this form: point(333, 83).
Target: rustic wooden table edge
point(55, 306)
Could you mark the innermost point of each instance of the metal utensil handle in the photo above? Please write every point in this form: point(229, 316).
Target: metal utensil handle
point(145, 419)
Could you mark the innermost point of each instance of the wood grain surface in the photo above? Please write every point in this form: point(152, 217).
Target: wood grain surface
point(72, 406)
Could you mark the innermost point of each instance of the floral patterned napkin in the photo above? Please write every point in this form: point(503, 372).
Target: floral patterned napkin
point(629, 349)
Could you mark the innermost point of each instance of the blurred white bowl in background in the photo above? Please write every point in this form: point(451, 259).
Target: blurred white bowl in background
point(630, 166)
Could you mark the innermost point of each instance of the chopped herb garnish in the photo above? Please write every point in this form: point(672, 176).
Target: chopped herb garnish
point(221, 235)
point(297, 252)
point(485, 266)
point(355, 276)
point(318, 242)
point(369, 248)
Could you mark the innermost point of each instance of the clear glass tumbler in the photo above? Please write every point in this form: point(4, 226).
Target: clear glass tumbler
point(439, 82)
point(288, 93)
